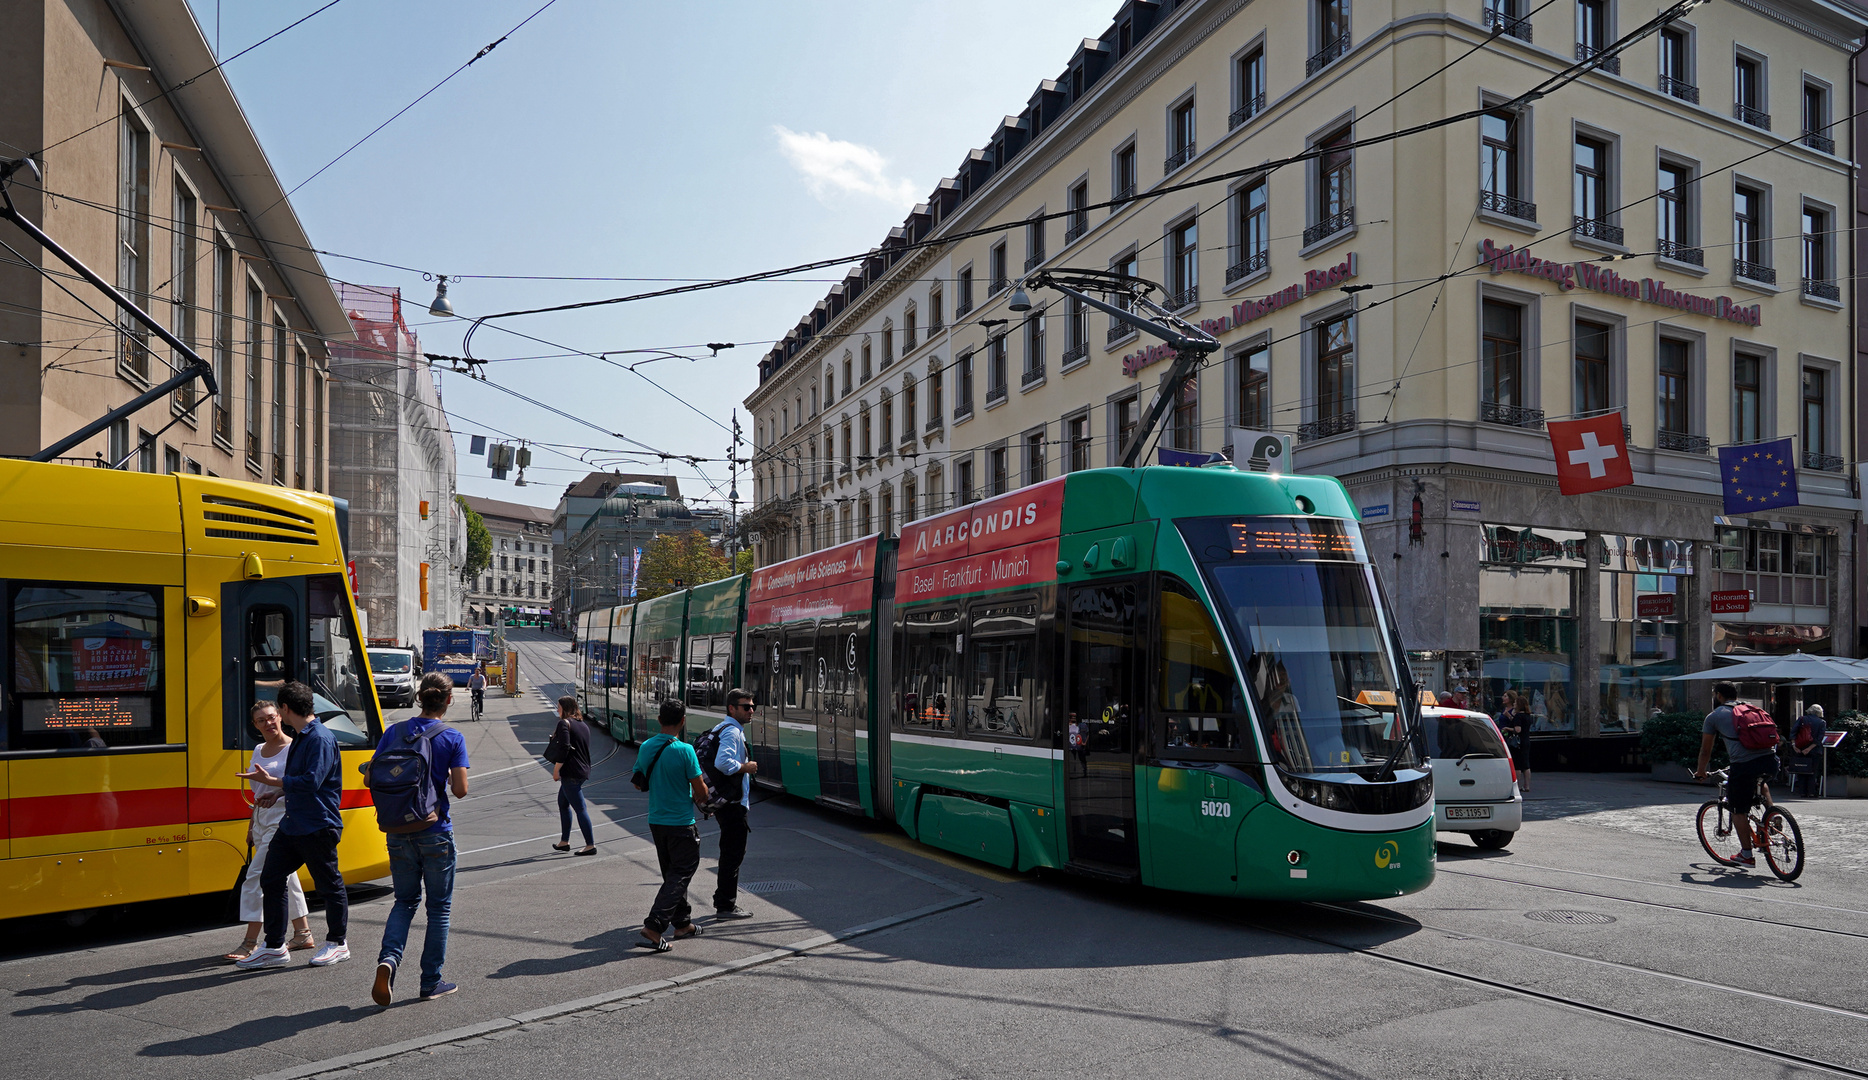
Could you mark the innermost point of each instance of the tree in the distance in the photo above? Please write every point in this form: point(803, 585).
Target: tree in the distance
point(479, 542)
point(684, 557)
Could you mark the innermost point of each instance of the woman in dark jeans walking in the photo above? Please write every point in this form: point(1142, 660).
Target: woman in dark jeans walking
point(569, 753)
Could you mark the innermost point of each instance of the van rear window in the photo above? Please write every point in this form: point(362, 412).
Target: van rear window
point(1456, 735)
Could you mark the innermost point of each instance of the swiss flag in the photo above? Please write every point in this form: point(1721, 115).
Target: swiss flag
point(1591, 454)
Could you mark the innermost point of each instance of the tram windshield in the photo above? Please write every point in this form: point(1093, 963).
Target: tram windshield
point(1300, 599)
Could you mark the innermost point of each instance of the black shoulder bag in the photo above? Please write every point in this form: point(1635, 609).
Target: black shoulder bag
point(640, 778)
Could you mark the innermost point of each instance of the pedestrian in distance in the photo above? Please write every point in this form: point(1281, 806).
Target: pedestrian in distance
point(729, 772)
point(313, 786)
point(268, 811)
point(476, 685)
point(1750, 764)
point(1514, 723)
point(674, 784)
point(418, 762)
point(1806, 752)
point(569, 754)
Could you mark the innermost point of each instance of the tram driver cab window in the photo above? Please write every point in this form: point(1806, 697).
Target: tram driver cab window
point(338, 671)
point(84, 667)
point(1200, 698)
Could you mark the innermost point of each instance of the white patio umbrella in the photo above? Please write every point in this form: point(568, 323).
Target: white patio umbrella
point(1798, 667)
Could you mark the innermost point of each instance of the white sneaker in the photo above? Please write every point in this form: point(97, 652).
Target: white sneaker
point(331, 952)
point(264, 957)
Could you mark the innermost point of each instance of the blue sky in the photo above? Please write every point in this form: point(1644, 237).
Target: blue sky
point(610, 139)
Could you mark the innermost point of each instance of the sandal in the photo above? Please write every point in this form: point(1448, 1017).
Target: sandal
point(245, 950)
point(661, 945)
point(302, 940)
point(691, 931)
point(591, 850)
point(561, 847)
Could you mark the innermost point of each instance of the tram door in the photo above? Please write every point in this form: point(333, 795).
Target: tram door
point(839, 710)
point(1103, 701)
point(763, 660)
point(800, 713)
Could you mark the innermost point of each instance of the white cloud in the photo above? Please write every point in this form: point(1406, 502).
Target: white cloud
point(834, 167)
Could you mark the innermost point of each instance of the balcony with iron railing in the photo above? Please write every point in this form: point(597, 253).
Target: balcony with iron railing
point(1499, 203)
point(1330, 226)
point(1598, 229)
point(1493, 412)
point(1074, 353)
point(1682, 442)
point(962, 410)
point(1822, 290)
point(1505, 24)
point(1679, 88)
point(1124, 193)
point(1246, 267)
point(1033, 261)
point(1752, 271)
point(1329, 54)
point(1032, 374)
point(1079, 225)
point(1250, 108)
point(1610, 64)
point(1822, 462)
point(1757, 118)
point(1816, 140)
point(1178, 158)
point(1185, 298)
point(999, 285)
point(995, 392)
point(1118, 332)
point(1668, 249)
point(935, 420)
point(1340, 424)
point(962, 308)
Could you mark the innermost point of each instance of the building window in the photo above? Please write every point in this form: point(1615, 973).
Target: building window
point(1816, 119)
point(1749, 105)
point(888, 424)
point(1185, 420)
point(1747, 398)
point(279, 389)
point(133, 239)
point(1593, 34)
point(184, 289)
point(995, 368)
point(888, 347)
point(1750, 249)
point(998, 474)
point(1077, 435)
point(1251, 209)
point(1501, 180)
point(963, 303)
point(223, 338)
point(937, 375)
point(1182, 137)
point(1592, 367)
point(908, 497)
point(1078, 222)
point(848, 447)
point(1124, 184)
point(1501, 363)
point(1676, 65)
point(1034, 348)
point(1815, 418)
point(963, 396)
point(996, 267)
point(1034, 456)
point(963, 481)
point(1674, 383)
point(1128, 419)
point(868, 452)
point(863, 519)
point(1129, 265)
point(145, 451)
point(1818, 276)
point(1183, 264)
point(935, 300)
point(909, 330)
point(849, 376)
point(1591, 191)
point(255, 336)
point(1249, 81)
point(1334, 198)
point(298, 420)
point(1034, 244)
point(1336, 374)
point(317, 431)
point(1676, 199)
point(1507, 16)
point(1332, 21)
point(908, 408)
point(1254, 387)
point(888, 512)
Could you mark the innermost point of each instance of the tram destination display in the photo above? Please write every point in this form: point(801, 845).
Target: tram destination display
point(120, 713)
point(1303, 538)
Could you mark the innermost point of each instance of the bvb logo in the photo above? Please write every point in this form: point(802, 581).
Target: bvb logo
point(1386, 854)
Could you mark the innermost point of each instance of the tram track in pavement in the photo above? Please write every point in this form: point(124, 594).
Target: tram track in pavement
point(1785, 1057)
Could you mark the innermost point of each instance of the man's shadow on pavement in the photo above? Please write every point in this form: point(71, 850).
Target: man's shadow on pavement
point(253, 1034)
point(597, 950)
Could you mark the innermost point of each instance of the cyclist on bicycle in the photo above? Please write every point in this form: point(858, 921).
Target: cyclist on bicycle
point(476, 683)
point(1748, 766)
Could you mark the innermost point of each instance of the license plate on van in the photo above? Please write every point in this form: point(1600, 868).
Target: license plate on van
point(1458, 813)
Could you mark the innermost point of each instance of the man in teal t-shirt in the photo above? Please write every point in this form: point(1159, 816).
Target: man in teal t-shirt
point(675, 785)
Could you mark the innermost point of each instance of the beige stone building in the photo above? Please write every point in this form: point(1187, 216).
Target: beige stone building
point(1672, 218)
point(159, 185)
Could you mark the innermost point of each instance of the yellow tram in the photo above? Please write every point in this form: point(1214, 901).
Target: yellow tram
point(144, 615)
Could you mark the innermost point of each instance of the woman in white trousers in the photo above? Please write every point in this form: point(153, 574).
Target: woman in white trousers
point(268, 811)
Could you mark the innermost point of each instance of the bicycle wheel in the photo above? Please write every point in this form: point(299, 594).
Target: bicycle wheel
point(1783, 843)
point(1720, 843)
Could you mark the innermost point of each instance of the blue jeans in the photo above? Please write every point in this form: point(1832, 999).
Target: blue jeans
point(419, 861)
point(571, 797)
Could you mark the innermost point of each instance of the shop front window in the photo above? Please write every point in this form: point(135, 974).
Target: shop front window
point(1527, 624)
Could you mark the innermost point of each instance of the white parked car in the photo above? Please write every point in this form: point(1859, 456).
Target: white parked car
point(1475, 786)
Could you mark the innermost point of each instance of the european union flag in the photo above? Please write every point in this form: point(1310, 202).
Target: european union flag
point(1759, 476)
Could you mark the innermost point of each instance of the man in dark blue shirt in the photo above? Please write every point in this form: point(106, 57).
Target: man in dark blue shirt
point(313, 784)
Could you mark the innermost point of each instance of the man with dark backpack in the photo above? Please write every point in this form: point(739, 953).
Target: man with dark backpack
point(417, 763)
point(1751, 742)
point(729, 771)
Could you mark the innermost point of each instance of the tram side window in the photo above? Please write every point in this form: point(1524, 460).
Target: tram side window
point(1001, 697)
point(797, 676)
point(710, 661)
point(86, 667)
point(931, 641)
point(1102, 691)
point(658, 674)
point(1200, 699)
point(337, 665)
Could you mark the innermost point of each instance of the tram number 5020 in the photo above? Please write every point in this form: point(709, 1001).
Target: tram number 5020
point(1215, 808)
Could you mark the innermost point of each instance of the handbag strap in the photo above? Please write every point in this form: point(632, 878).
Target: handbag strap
point(649, 773)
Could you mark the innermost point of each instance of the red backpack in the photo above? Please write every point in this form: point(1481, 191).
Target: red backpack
point(1754, 727)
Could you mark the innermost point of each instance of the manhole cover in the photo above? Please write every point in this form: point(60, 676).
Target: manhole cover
point(1574, 918)
point(772, 886)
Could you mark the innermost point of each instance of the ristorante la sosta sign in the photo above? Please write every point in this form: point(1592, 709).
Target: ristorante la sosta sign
point(1598, 278)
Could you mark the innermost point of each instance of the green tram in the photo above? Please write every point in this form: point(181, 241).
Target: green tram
point(1186, 678)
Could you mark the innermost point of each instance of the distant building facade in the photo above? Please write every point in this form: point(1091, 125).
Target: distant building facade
point(520, 574)
point(604, 520)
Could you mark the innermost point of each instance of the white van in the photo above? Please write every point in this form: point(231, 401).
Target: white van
point(395, 672)
point(1475, 785)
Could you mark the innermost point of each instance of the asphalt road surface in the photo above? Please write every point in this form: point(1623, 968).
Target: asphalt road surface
point(1603, 943)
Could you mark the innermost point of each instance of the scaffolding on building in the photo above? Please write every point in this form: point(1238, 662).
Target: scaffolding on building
point(392, 457)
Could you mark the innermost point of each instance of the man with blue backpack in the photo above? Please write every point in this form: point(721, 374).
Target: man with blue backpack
point(417, 763)
point(729, 769)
